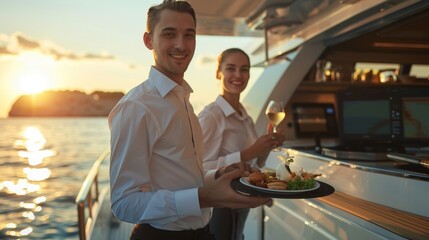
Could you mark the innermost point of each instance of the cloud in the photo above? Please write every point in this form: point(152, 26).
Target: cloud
point(18, 43)
point(26, 43)
point(5, 51)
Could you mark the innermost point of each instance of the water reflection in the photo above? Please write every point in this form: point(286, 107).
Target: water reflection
point(35, 158)
point(74, 143)
point(30, 148)
point(37, 174)
point(23, 232)
point(39, 200)
point(27, 205)
point(29, 215)
point(22, 187)
point(33, 140)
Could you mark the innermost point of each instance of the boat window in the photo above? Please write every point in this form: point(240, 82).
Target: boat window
point(314, 120)
point(415, 118)
point(420, 71)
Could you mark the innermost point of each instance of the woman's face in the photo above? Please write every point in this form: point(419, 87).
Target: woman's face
point(234, 73)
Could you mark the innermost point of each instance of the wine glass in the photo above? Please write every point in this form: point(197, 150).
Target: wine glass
point(275, 113)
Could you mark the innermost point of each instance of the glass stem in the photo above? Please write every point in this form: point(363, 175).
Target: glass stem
point(277, 149)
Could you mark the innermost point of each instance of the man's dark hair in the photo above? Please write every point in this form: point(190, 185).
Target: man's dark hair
point(154, 12)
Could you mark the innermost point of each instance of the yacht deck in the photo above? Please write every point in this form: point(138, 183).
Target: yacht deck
point(107, 227)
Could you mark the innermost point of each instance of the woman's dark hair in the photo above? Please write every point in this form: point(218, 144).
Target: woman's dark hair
point(154, 12)
point(224, 54)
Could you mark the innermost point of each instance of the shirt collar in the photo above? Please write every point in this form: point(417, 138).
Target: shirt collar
point(164, 84)
point(226, 108)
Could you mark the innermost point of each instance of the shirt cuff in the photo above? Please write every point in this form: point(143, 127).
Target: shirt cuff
point(187, 202)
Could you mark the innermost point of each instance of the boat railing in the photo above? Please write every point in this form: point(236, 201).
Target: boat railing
point(88, 199)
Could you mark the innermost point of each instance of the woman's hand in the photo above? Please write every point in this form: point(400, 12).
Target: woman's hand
point(262, 147)
point(279, 135)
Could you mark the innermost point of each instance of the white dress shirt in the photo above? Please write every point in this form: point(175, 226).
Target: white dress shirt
point(225, 134)
point(156, 156)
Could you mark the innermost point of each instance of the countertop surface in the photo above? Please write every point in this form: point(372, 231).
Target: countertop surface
point(378, 164)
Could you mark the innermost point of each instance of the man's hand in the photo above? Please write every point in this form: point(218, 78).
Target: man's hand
point(220, 194)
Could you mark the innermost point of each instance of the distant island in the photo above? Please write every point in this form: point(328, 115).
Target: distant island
point(65, 104)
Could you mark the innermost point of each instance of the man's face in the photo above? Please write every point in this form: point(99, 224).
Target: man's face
point(173, 43)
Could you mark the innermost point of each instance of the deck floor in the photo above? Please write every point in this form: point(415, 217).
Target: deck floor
point(107, 227)
point(120, 230)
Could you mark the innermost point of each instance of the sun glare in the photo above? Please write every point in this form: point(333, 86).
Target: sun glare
point(34, 76)
point(32, 83)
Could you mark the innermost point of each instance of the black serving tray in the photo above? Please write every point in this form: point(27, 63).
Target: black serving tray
point(323, 190)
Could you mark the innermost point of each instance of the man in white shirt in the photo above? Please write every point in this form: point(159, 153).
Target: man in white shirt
point(156, 175)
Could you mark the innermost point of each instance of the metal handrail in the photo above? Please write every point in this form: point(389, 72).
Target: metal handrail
point(85, 195)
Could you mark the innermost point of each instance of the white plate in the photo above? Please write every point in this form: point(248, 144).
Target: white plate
point(245, 181)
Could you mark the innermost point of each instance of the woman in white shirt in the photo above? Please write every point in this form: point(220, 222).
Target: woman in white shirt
point(229, 136)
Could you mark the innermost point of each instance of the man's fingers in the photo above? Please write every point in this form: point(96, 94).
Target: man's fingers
point(236, 173)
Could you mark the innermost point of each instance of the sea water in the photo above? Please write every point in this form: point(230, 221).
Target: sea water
point(43, 163)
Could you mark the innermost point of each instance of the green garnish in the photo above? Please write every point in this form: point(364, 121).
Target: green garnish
point(300, 184)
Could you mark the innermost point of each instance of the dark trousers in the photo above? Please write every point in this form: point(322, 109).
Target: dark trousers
point(228, 224)
point(147, 232)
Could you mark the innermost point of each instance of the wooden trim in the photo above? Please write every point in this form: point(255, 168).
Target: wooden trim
point(406, 224)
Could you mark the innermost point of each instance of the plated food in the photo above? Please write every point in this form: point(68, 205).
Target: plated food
point(295, 181)
point(283, 182)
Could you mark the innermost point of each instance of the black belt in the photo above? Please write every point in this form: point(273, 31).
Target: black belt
point(147, 232)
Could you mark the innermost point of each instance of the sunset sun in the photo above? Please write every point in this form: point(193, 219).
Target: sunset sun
point(35, 74)
point(32, 83)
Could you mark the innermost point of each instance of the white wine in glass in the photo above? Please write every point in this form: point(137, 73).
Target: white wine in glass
point(275, 113)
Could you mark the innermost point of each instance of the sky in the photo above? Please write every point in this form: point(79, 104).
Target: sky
point(91, 45)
